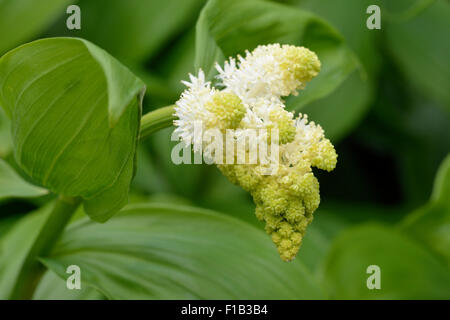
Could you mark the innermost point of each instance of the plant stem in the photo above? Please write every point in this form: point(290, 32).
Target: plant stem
point(156, 120)
point(52, 228)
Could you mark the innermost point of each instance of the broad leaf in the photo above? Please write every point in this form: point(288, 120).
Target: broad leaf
point(21, 20)
point(408, 270)
point(173, 252)
point(15, 246)
point(5, 135)
point(330, 220)
point(176, 66)
point(75, 116)
point(6, 223)
point(349, 18)
point(184, 179)
point(227, 28)
point(441, 189)
point(339, 112)
point(431, 223)
point(421, 48)
point(134, 30)
point(14, 186)
point(52, 287)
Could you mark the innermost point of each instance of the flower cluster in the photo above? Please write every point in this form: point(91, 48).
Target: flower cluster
point(251, 95)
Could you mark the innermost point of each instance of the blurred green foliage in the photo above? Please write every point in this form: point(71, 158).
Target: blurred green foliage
point(383, 100)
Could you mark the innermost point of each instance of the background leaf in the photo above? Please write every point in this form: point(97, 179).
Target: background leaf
point(339, 112)
point(15, 246)
point(75, 119)
point(228, 28)
point(172, 252)
point(431, 223)
point(52, 287)
point(342, 110)
point(421, 48)
point(110, 24)
point(5, 135)
point(29, 18)
point(408, 270)
point(12, 185)
point(441, 189)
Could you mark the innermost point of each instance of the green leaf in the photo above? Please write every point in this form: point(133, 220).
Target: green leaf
point(15, 246)
point(339, 112)
point(408, 270)
point(177, 66)
point(349, 18)
point(75, 116)
point(21, 20)
point(7, 222)
point(186, 179)
point(13, 186)
point(403, 10)
point(342, 110)
point(441, 189)
point(431, 223)
point(134, 30)
point(421, 49)
point(5, 135)
point(174, 252)
point(227, 28)
point(52, 287)
point(333, 218)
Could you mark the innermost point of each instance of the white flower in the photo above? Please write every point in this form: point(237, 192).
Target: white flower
point(269, 72)
point(251, 98)
point(191, 108)
point(260, 80)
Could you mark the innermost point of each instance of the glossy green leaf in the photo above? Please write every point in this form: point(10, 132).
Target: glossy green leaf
point(421, 48)
point(173, 252)
point(21, 20)
point(227, 28)
point(408, 270)
point(14, 186)
point(75, 116)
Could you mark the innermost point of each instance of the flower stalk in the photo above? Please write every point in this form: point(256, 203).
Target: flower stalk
point(55, 223)
point(156, 120)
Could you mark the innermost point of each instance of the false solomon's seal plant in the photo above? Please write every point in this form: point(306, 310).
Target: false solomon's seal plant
point(251, 98)
point(76, 120)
